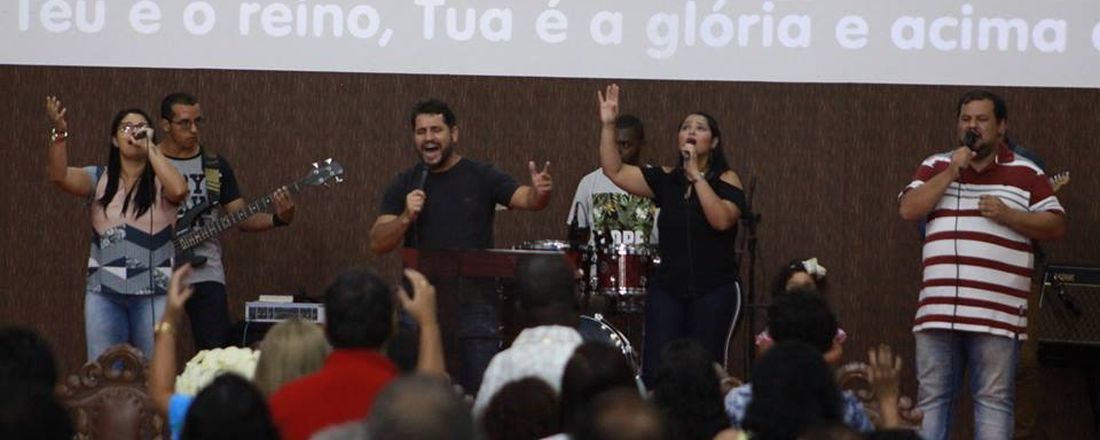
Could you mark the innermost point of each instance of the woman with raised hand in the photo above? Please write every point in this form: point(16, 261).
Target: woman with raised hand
point(133, 202)
point(695, 292)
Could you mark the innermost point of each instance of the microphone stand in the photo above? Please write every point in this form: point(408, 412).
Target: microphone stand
point(749, 222)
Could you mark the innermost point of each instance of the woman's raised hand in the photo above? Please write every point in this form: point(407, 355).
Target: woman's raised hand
point(609, 104)
point(56, 113)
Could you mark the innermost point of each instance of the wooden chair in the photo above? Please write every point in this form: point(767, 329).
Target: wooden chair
point(109, 398)
point(856, 377)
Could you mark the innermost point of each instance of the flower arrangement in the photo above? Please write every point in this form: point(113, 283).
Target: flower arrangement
point(208, 364)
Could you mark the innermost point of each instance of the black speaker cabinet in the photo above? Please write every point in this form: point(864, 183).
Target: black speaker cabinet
point(1067, 325)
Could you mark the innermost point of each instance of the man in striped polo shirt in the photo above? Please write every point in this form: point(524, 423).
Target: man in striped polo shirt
point(984, 205)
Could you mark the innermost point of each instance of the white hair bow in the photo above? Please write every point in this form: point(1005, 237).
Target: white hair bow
point(816, 270)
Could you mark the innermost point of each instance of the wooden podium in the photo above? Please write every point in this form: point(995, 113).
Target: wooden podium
point(477, 277)
point(470, 263)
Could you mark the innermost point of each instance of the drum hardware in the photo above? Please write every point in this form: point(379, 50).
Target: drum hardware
point(597, 329)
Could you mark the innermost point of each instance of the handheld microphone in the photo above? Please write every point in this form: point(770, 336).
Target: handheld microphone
point(143, 133)
point(684, 154)
point(423, 178)
point(970, 139)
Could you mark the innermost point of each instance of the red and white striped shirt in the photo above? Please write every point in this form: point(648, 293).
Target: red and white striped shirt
point(977, 273)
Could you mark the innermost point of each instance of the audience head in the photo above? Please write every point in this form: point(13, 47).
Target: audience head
point(526, 409)
point(800, 274)
point(802, 315)
point(688, 392)
point(29, 410)
point(291, 349)
point(892, 434)
point(419, 407)
point(594, 368)
point(359, 310)
point(26, 358)
point(831, 431)
point(230, 408)
point(621, 414)
point(546, 291)
point(792, 390)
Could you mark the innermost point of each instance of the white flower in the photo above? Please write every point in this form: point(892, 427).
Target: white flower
point(208, 364)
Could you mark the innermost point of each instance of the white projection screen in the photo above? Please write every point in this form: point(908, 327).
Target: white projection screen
point(1052, 43)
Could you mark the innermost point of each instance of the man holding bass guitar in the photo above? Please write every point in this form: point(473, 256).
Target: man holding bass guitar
point(212, 184)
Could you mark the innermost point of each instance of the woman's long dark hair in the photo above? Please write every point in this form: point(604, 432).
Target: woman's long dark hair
point(146, 187)
point(717, 163)
point(792, 390)
point(688, 393)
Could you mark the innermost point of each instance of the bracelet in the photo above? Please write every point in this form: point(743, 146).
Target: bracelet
point(277, 221)
point(164, 327)
point(58, 134)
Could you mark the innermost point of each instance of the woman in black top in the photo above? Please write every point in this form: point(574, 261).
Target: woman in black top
point(694, 293)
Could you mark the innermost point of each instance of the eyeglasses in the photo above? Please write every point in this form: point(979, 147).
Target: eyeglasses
point(186, 124)
point(133, 128)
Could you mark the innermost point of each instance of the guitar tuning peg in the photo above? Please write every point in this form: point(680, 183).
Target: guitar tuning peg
point(315, 165)
point(339, 179)
point(328, 161)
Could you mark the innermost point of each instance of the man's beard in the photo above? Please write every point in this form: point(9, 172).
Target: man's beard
point(444, 155)
point(986, 149)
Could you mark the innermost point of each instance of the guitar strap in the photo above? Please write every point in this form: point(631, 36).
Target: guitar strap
point(211, 166)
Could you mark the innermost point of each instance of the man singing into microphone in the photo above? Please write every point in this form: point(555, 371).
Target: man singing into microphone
point(447, 201)
point(984, 204)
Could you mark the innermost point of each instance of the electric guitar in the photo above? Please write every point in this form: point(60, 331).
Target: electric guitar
point(189, 236)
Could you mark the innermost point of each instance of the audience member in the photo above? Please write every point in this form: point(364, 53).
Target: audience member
point(800, 315)
point(549, 309)
point(28, 375)
point(360, 317)
point(162, 380)
point(29, 411)
point(687, 391)
point(230, 408)
point(420, 407)
point(26, 358)
point(622, 414)
point(793, 390)
point(594, 368)
point(526, 409)
point(290, 350)
point(801, 274)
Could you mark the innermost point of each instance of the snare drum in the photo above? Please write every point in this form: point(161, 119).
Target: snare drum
point(622, 270)
point(596, 329)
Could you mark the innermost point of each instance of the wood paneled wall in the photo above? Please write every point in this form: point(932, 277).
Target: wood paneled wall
point(828, 159)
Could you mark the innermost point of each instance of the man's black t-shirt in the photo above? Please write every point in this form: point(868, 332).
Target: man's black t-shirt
point(458, 212)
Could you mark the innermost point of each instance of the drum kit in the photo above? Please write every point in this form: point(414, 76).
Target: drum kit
point(611, 280)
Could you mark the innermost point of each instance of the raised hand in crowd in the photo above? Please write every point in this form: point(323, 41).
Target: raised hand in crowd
point(422, 306)
point(884, 376)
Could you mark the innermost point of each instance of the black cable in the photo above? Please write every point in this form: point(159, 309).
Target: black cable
point(955, 239)
point(152, 273)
